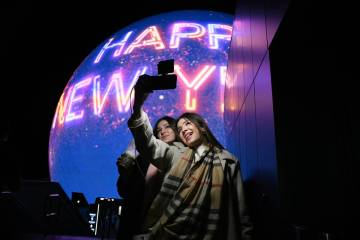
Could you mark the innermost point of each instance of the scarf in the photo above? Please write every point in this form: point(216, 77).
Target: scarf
point(188, 204)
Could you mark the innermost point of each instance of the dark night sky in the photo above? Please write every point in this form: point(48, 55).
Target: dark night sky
point(42, 43)
point(41, 46)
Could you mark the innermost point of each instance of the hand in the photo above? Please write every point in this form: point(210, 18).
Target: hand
point(125, 164)
point(141, 93)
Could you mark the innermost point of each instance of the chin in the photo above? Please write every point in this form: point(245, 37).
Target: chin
point(168, 140)
point(190, 144)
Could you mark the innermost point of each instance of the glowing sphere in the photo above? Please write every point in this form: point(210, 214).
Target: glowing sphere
point(89, 129)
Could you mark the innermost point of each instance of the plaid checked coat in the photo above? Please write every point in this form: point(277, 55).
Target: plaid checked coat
point(234, 221)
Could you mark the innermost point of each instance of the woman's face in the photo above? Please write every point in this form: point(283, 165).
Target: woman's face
point(189, 133)
point(165, 132)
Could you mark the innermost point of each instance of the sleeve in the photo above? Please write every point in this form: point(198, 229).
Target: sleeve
point(158, 152)
point(131, 150)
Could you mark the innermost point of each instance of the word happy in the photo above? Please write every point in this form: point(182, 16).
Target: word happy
point(114, 90)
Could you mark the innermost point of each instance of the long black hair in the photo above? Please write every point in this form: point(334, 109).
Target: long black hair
point(203, 128)
point(172, 125)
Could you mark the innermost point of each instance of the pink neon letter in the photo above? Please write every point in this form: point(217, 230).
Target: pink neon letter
point(61, 108)
point(177, 33)
point(194, 85)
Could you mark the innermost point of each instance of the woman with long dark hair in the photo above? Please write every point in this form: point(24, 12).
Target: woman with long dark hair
point(139, 181)
point(202, 194)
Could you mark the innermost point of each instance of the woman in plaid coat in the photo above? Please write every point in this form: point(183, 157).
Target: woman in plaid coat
point(202, 195)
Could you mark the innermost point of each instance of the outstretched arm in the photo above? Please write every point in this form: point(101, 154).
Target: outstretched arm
point(158, 152)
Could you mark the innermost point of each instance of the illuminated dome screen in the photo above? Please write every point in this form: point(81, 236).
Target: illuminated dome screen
point(89, 129)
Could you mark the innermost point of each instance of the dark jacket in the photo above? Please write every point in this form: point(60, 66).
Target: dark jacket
point(131, 188)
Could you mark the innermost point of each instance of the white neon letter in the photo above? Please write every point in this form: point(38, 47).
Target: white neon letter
point(222, 86)
point(214, 37)
point(223, 75)
point(153, 39)
point(99, 101)
point(122, 96)
point(107, 46)
point(73, 99)
point(178, 32)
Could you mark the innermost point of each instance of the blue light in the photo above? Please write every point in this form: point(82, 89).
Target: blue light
point(89, 128)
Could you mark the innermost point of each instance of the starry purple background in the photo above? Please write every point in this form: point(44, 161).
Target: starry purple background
point(83, 152)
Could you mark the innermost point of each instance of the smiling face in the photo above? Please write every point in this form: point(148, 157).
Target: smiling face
point(189, 133)
point(165, 132)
